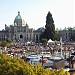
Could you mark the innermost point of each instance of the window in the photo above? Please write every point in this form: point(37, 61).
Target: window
point(15, 34)
point(21, 36)
point(30, 38)
point(27, 35)
point(27, 38)
point(30, 34)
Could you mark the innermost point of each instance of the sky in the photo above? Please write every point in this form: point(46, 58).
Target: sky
point(34, 12)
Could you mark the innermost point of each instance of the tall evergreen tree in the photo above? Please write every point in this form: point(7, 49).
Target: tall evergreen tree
point(49, 32)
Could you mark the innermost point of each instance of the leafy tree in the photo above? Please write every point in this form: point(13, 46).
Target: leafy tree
point(67, 73)
point(13, 66)
point(61, 72)
point(44, 41)
point(72, 37)
point(8, 40)
point(3, 44)
point(16, 66)
point(49, 32)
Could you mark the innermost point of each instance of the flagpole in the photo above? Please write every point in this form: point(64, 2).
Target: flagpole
point(61, 45)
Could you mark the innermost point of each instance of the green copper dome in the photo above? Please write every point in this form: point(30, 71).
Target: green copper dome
point(18, 16)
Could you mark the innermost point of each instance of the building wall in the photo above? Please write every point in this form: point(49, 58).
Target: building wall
point(66, 34)
point(19, 32)
point(3, 35)
point(57, 64)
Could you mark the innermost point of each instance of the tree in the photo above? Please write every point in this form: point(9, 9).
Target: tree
point(3, 44)
point(49, 32)
point(8, 40)
point(72, 38)
point(44, 41)
point(16, 66)
point(61, 71)
point(67, 73)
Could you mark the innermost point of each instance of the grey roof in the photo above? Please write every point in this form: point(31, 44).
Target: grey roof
point(41, 29)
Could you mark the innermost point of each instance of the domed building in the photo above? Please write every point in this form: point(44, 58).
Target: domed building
point(18, 20)
point(20, 31)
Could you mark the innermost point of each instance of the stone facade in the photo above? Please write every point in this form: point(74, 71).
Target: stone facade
point(20, 31)
point(3, 35)
point(66, 34)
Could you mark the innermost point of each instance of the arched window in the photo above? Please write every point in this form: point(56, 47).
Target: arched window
point(21, 36)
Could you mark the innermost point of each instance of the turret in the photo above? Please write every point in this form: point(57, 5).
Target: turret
point(18, 20)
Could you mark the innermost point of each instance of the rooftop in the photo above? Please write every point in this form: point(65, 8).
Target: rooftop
point(18, 16)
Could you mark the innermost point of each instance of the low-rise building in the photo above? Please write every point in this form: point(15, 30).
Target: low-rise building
point(66, 34)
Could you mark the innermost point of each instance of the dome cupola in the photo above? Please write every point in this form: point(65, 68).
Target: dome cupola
point(18, 20)
point(18, 16)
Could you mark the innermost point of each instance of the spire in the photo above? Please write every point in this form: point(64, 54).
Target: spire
point(18, 12)
point(27, 25)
